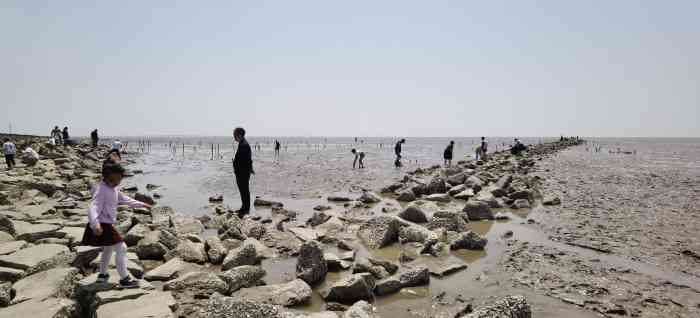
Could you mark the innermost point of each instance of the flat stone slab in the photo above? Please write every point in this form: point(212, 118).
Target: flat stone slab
point(294, 293)
point(27, 258)
point(304, 234)
point(57, 282)
point(34, 232)
point(11, 247)
point(75, 234)
point(155, 305)
point(170, 270)
point(48, 308)
point(10, 274)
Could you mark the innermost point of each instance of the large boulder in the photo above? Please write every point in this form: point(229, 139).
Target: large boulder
point(350, 290)
point(478, 210)
point(10, 274)
point(168, 271)
point(408, 278)
point(508, 307)
point(468, 240)
point(413, 214)
point(197, 284)
point(216, 251)
point(294, 293)
point(58, 282)
point(242, 277)
point(246, 254)
point(379, 231)
point(311, 266)
point(451, 221)
point(33, 258)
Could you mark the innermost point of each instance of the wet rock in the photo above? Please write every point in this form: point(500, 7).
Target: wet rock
point(135, 234)
point(6, 225)
point(508, 307)
point(246, 254)
point(311, 266)
point(216, 198)
point(32, 258)
point(392, 188)
point(417, 234)
point(350, 290)
point(11, 247)
point(406, 196)
point(294, 293)
point(361, 309)
point(10, 274)
point(189, 252)
point(457, 179)
point(338, 198)
point(521, 204)
point(437, 185)
point(168, 271)
point(464, 195)
point(457, 189)
point(34, 232)
point(152, 246)
point(379, 231)
point(184, 225)
point(50, 307)
point(521, 194)
point(468, 240)
point(216, 251)
point(304, 234)
point(420, 189)
point(450, 221)
point(154, 304)
point(504, 181)
point(145, 198)
point(229, 307)
point(439, 197)
point(335, 264)
point(58, 282)
point(266, 203)
point(6, 294)
point(446, 270)
point(317, 219)
point(475, 183)
point(413, 214)
point(369, 197)
point(551, 200)
point(242, 277)
point(408, 278)
point(478, 210)
point(198, 284)
point(488, 198)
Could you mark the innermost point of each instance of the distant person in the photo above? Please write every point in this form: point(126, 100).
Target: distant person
point(517, 148)
point(117, 145)
point(94, 137)
point(65, 136)
point(277, 148)
point(243, 168)
point(9, 150)
point(482, 149)
point(397, 151)
point(56, 134)
point(30, 157)
point(359, 156)
point(448, 154)
point(100, 230)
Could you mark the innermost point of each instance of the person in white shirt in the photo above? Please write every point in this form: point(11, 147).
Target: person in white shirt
point(30, 157)
point(9, 149)
point(117, 145)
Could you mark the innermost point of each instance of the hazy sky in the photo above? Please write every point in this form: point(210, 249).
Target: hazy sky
point(352, 68)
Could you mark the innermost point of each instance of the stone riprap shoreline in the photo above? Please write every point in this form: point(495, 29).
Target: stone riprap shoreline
point(211, 266)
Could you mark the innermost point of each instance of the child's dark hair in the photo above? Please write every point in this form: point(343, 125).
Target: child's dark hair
point(353, 150)
point(239, 131)
point(110, 168)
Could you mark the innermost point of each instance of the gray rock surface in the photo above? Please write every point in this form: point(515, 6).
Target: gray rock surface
point(216, 251)
point(361, 309)
point(294, 293)
point(170, 270)
point(246, 254)
point(508, 307)
point(413, 214)
point(153, 305)
point(477, 210)
point(58, 282)
point(379, 231)
point(29, 258)
point(242, 277)
point(351, 289)
point(197, 284)
point(468, 240)
point(311, 266)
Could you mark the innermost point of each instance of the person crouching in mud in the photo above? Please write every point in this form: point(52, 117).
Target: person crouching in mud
point(359, 156)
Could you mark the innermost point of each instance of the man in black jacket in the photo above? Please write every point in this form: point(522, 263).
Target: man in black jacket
point(243, 168)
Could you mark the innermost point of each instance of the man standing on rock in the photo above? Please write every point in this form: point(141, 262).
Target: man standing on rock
point(95, 138)
point(9, 149)
point(397, 151)
point(243, 168)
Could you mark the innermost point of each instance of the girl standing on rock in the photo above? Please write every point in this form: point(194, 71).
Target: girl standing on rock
point(102, 216)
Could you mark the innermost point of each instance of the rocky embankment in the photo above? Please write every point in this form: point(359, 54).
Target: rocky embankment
point(211, 266)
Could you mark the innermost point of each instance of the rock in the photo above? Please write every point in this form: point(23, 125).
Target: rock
point(156, 244)
point(474, 182)
point(338, 198)
point(369, 197)
point(504, 181)
point(392, 188)
point(413, 214)
point(437, 185)
point(6, 225)
point(150, 186)
point(322, 208)
point(304, 234)
point(242, 277)
point(168, 271)
point(361, 309)
point(508, 307)
point(351, 289)
point(246, 254)
point(85, 255)
point(294, 293)
point(488, 198)
point(184, 225)
point(229, 307)
point(379, 231)
point(468, 240)
point(311, 266)
point(447, 270)
point(6, 294)
point(521, 204)
point(464, 195)
point(34, 232)
point(408, 278)
point(406, 196)
point(58, 282)
point(457, 189)
point(31, 258)
point(10, 274)
point(189, 252)
point(417, 234)
point(521, 194)
point(439, 197)
point(46, 187)
point(335, 264)
point(551, 200)
point(50, 307)
point(451, 221)
point(477, 210)
point(216, 198)
point(135, 234)
point(458, 178)
point(11, 247)
point(501, 216)
point(263, 202)
point(317, 219)
point(145, 198)
point(216, 251)
point(198, 284)
point(152, 305)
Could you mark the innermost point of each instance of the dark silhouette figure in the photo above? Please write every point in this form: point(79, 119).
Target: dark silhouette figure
point(397, 151)
point(448, 154)
point(243, 168)
point(95, 138)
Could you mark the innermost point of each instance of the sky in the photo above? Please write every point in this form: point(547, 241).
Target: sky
point(352, 68)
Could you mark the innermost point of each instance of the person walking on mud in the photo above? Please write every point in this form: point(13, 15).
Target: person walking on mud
point(397, 151)
point(242, 169)
point(449, 152)
point(277, 148)
point(482, 149)
point(95, 138)
point(9, 149)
